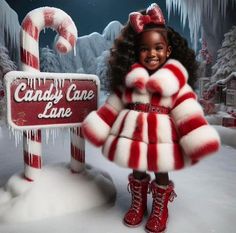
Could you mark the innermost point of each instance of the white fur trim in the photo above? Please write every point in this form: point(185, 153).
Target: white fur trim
point(178, 65)
point(110, 108)
point(198, 138)
point(166, 102)
point(138, 74)
point(140, 97)
point(115, 102)
point(166, 80)
point(94, 124)
point(185, 89)
point(186, 109)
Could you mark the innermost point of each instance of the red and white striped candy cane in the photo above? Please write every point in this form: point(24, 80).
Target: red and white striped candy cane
point(77, 150)
point(33, 23)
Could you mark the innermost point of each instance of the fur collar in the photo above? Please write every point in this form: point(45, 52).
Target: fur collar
point(166, 81)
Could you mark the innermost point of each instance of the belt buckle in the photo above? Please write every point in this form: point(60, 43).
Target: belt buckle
point(151, 108)
point(155, 109)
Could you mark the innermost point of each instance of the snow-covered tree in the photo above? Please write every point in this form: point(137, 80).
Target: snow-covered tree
point(102, 68)
point(2, 104)
point(205, 60)
point(49, 61)
point(6, 65)
point(67, 62)
point(226, 57)
point(10, 29)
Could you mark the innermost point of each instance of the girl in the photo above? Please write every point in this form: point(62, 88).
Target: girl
point(151, 121)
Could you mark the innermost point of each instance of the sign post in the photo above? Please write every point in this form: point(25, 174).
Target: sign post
point(37, 100)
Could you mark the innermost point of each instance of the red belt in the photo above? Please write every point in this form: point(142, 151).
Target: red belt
point(148, 108)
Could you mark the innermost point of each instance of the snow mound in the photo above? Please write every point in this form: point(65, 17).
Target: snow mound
point(58, 191)
point(227, 136)
point(112, 30)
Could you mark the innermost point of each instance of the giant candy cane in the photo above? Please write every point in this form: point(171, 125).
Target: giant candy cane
point(33, 23)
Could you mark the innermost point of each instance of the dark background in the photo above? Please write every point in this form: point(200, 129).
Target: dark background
point(93, 15)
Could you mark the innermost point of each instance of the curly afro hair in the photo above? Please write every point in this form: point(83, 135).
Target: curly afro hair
point(124, 53)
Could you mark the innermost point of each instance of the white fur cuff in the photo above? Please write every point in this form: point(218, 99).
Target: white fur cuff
point(203, 140)
point(95, 129)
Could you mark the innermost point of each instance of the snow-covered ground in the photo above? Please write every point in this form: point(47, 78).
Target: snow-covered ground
point(205, 203)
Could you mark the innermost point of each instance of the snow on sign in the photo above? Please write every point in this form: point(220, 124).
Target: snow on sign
point(45, 100)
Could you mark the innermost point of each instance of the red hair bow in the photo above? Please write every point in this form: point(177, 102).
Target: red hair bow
point(153, 15)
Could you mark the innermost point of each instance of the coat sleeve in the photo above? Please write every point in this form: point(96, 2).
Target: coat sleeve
point(197, 138)
point(96, 126)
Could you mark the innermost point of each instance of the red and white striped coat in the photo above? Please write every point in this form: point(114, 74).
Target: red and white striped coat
point(149, 141)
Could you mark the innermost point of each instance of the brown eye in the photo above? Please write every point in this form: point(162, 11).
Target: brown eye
point(142, 49)
point(158, 48)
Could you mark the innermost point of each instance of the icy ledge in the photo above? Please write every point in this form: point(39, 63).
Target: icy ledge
point(57, 192)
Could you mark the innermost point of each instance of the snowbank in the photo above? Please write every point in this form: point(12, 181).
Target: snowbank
point(227, 135)
point(57, 192)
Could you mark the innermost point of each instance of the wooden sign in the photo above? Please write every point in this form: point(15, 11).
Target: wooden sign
point(46, 100)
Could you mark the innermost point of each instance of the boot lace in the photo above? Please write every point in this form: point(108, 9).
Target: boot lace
point(159, 202)
point(136, 194)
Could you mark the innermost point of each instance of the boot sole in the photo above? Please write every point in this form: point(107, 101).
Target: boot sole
point(132, 226)
point(163, 231)
point(137, 225)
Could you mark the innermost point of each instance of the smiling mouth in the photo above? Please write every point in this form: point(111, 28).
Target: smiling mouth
point(152, 61)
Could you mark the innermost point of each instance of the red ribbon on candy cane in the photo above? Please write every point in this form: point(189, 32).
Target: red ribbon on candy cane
point(34, 22)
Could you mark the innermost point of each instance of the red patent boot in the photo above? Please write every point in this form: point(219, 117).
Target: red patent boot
point(161, 196)
point(138, 190)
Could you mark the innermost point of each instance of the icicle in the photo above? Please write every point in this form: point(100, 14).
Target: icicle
point(39, 81)
point(55, 83)
point(16, 135)
point(74, 50)
point(51, 134)
point(63, 82)
point(192, 10)
point(35, 80)
point(47, 135)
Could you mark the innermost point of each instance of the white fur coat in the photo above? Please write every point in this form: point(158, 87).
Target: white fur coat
point(153, 141)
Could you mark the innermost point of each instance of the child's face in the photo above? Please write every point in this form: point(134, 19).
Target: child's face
point(153, 50)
